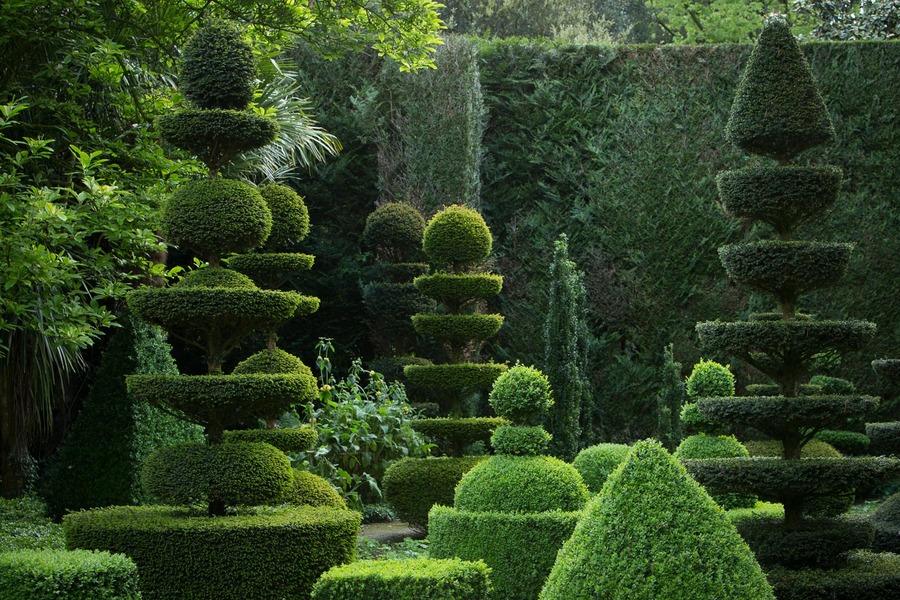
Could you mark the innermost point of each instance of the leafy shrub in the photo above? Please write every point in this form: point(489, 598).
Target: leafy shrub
point(290, 217)
point(849, 443)
point(69, 574)
point(653, 518)
point(414, 579)
point(457, 238)
point(520, 441)
point(596, 462)
point(833, 386)
point(414, 485)
point(24, 526)
point(218, 68)
point(773, 448)
point(866, 576)
point(521, 484)
point(521, 395)
point(394, 231)
point(270, 553)
point(380, 512)
point(709, 379)
point(518, 548)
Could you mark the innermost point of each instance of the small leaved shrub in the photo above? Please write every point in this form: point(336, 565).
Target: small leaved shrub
point(313, 490)
point(457, 237)
point(596, 462)
point(709, 379)
point(25, 526)
point(520, 441)
point(848, 443)
point(68, 574)
point(521, 395)
point(394, 231)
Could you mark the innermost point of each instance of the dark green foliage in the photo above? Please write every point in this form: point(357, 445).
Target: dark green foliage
point(268, 267)
point(887, 368)
point(414, 485)
point(831, 385)
point(670, 402)
point(215, 217)
point(69, 574)
point(399, 272)
point(100, 462)
point(458, 290)
point(411, 579)
point(216, 136)
point(312, 490)
point(460, 376)
point(521, 484)
point(778, 110)
point(786, 269)
point(290, 217)
point(452, 436)
point(394, 231)
point(300, 439)
point(709, 378)
point(272, 361)
point(218, 68)
point(566, 360)
point(518, 548)
point(867, 576)
point(272, 553)
point(773, 389)
point(886, 520)
point(222, 401)
point(520, 441)
point(521, 395)
point(819, 543)
point(707, 446)
point(391, 305)
point(654, 533)
point(885, 437)
point(596, 462)
point(849, 443)
point(457, 329)
point(457, 238)
point(238, 473)
point(215, 278)
point(815, 448)
point(783, 197)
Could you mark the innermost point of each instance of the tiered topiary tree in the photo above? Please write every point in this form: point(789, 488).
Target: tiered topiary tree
point(778, 113)
point(243, 552)
point(514, 510)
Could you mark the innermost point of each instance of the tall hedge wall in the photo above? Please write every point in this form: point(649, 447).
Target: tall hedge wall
point(618, 148)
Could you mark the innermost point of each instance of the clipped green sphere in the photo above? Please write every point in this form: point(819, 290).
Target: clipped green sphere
point(312, 490)
point(394, 230)
point(216, 278)
point(218, 69)
point(709, 379)
point(595, 463)
point(290, 217)
point(521, 395)
point(215, 217)
point(272, 362)
point(521, 484)
point(457, 237)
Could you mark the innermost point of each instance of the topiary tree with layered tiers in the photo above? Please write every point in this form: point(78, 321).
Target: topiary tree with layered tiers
point(778, 113)
point(212, 309)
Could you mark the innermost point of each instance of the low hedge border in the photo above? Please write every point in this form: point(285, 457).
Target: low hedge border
point(72, 575)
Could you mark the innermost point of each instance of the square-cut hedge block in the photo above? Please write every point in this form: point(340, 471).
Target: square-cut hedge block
point(412, 579)
point(69, 574)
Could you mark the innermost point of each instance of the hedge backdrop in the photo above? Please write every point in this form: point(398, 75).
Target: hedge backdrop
point(618, 148)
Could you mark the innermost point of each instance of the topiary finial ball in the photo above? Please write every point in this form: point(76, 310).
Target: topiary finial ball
point(457, 237)
point(218, 69)
point(709, 379)
point(290, 217)
point(522, 395)
point(778, 110)
point(394, 230)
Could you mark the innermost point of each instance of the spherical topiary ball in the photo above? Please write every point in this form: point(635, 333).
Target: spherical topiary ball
point(218, 68)
point(273, 362)
point(521, 395)
point(215, 217)
point(394, 230)
point(709, 379)
point(457, 237)
point(216, 278)
point(290, 217)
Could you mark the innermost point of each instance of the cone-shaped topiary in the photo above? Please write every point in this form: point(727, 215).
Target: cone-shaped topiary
point(654, 533)
point(218, 68)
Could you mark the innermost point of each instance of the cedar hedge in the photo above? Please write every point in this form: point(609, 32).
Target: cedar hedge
point(290, 217)
point(812, 544)
point(218, 68)
point(596, 462)
point(297, 439)
point(458, 289)
point(270, 553)
point(518, 440)
point(409, 579)
point(68, 574)
point(867, 576)
point(774, 415)
point(216, 136)
point(457, 330)
point(453, 435)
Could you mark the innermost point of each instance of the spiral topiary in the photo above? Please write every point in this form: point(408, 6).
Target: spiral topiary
point(218, 68)
point(457, 238)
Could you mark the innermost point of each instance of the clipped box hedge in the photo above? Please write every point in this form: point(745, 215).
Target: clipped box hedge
point(411, 579)
point(273, 553)
point(68, 575)
point(867, 576)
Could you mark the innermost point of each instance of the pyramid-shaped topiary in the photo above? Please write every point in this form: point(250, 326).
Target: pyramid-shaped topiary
point(778, 113)
point(654, 533)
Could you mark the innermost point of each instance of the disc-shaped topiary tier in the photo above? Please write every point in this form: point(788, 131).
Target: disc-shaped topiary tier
point(452, 436)
point(297, 439)
point(218, 69)
point(654, 533)
point(460, 376)
point(458, 330)
point(778, 110)
point(457, 238)
point(458, 290)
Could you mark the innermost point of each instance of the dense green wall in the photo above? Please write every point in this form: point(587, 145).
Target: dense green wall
point(619, 148)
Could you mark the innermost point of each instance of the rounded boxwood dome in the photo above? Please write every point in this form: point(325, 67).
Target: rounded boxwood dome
point(457, 237)
point(216, 278)
point(290, 217)
point(596, 462)
point(215, 217)
point(709, 378)
point(394, 230)
point(272, 361)
point(521, 484)
point(312, 490)
point(521, 395)
point(218, 68)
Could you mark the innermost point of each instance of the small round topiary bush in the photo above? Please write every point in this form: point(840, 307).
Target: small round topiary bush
point(595, 463)
point(520, 441)
point(521, 395)
point(218, 68)
point(290, 217)
point(709, 379)
point(313, 490)
point(394, 231)
point(521, 484)
point(457, 238)
point(271, 361)
point(67, 574)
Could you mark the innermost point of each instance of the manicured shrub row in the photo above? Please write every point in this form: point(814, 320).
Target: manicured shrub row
point(772, 414)
point(68, 575)
point(414, 485)
point(812, 544)
point(867, 576)
point(453, 435)
point(287, 440)
point(539, 483)
point(457, 329)
point(273, 361)
point(849, 443)
point(517, 440)
point(218, 68)
point(520, 549)
point(595, 463)
point(460, 376)
point(412, 579)
point(452, 289)
point(290, 217)
point(275, 553)
point(885, 437)
point(786, 269)
point(262, 266)
point(724, 446)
